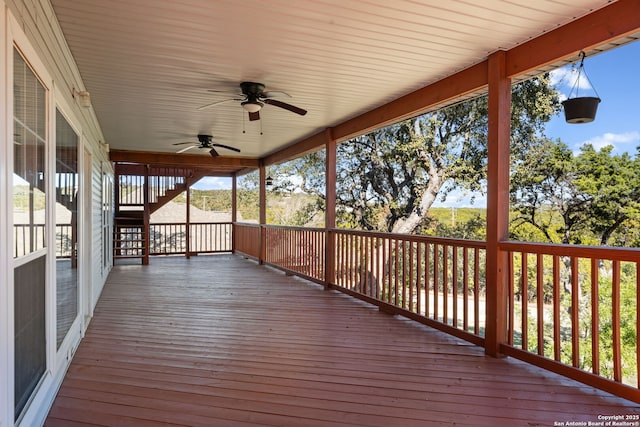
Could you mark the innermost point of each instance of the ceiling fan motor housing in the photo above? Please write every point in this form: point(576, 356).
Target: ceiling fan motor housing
point(204, 139)
point(252, 89)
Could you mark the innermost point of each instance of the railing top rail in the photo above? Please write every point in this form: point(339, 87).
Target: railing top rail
point(192, 223)
point(288, 227)
point(578, 251)
point(414, 238)
point(246, 224)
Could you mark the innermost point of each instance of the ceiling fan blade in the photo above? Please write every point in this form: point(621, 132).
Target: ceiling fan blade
point(254, 116)
point(227, 147)
point(286, 106)
point(275, 94)
point(183, 143)
point(226, 92)
point(186, 149)
point(213, 153)
point(219, 102)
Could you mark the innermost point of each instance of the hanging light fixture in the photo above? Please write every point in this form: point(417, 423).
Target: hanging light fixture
point(252, 106)
point(581, 109)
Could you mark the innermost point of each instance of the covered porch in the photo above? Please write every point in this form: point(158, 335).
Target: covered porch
point(290, 325)
point(223, 340)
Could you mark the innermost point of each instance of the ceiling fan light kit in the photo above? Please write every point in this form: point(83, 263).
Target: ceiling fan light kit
point(252, 106)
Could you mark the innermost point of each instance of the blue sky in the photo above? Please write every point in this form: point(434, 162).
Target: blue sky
point(617, 123)
point(614, 76)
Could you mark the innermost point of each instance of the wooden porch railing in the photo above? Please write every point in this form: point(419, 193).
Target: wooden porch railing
point(566, 312)
point(565, 301)
point(33, 235)
point(162, 180)
point(437, 281)
point(247, 239)
point(297, 249)
point(209, 237)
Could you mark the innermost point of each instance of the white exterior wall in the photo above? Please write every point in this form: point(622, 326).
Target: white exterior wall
point(31, 25)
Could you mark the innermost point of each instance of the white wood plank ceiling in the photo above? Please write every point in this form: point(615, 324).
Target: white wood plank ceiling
point(149, 64)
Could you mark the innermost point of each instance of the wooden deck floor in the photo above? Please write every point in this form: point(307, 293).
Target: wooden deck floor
point(222, 341)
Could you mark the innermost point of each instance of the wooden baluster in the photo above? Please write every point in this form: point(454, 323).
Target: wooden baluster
point(540, 301)
point(454, 284)
point(524, 294)
point(615, 321)
point(556, 308)
point(575, 311)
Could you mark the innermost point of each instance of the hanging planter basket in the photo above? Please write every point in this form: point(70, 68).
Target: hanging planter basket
point(580, 110)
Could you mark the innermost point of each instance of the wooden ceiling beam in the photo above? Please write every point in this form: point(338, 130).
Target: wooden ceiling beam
point(196, 161)
point(459, 85)
point(614, 21)
point(465, 82)
point(308, 145)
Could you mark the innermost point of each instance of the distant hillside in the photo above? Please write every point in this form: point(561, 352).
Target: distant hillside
point(455, 216)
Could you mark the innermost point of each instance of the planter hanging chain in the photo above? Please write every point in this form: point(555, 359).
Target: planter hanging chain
point(581, 109)
point(581, 70)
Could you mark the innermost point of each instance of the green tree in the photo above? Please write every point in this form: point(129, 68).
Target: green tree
point(583, 199)
point(544, 194)
point(248, 197)
point(611, 184)
point(302, 208)
point(388, 179)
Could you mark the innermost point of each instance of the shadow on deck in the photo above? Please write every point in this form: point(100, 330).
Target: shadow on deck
point(221, 341)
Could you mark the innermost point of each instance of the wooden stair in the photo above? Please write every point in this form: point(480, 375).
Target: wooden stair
point(129, 237)
point(140, 191)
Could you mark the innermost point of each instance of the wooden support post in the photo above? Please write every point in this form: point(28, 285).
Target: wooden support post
point(330, 210)
point(146, 235)
point(234, 211)
point(497, 202)
point(263, 213)
point(188, 220)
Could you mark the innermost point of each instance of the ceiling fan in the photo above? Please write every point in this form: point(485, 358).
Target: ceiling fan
point(206, 141)
point(254, 98)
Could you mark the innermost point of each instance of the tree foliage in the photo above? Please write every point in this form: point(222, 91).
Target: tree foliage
point(589, 198)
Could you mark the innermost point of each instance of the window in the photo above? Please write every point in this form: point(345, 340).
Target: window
point(66, 213)
point(29, 219)
point(29, 137)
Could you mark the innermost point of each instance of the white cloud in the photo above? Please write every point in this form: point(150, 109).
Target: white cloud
point(618, 140)
point(564, 80)
point(558, 76)
point(213, 183)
